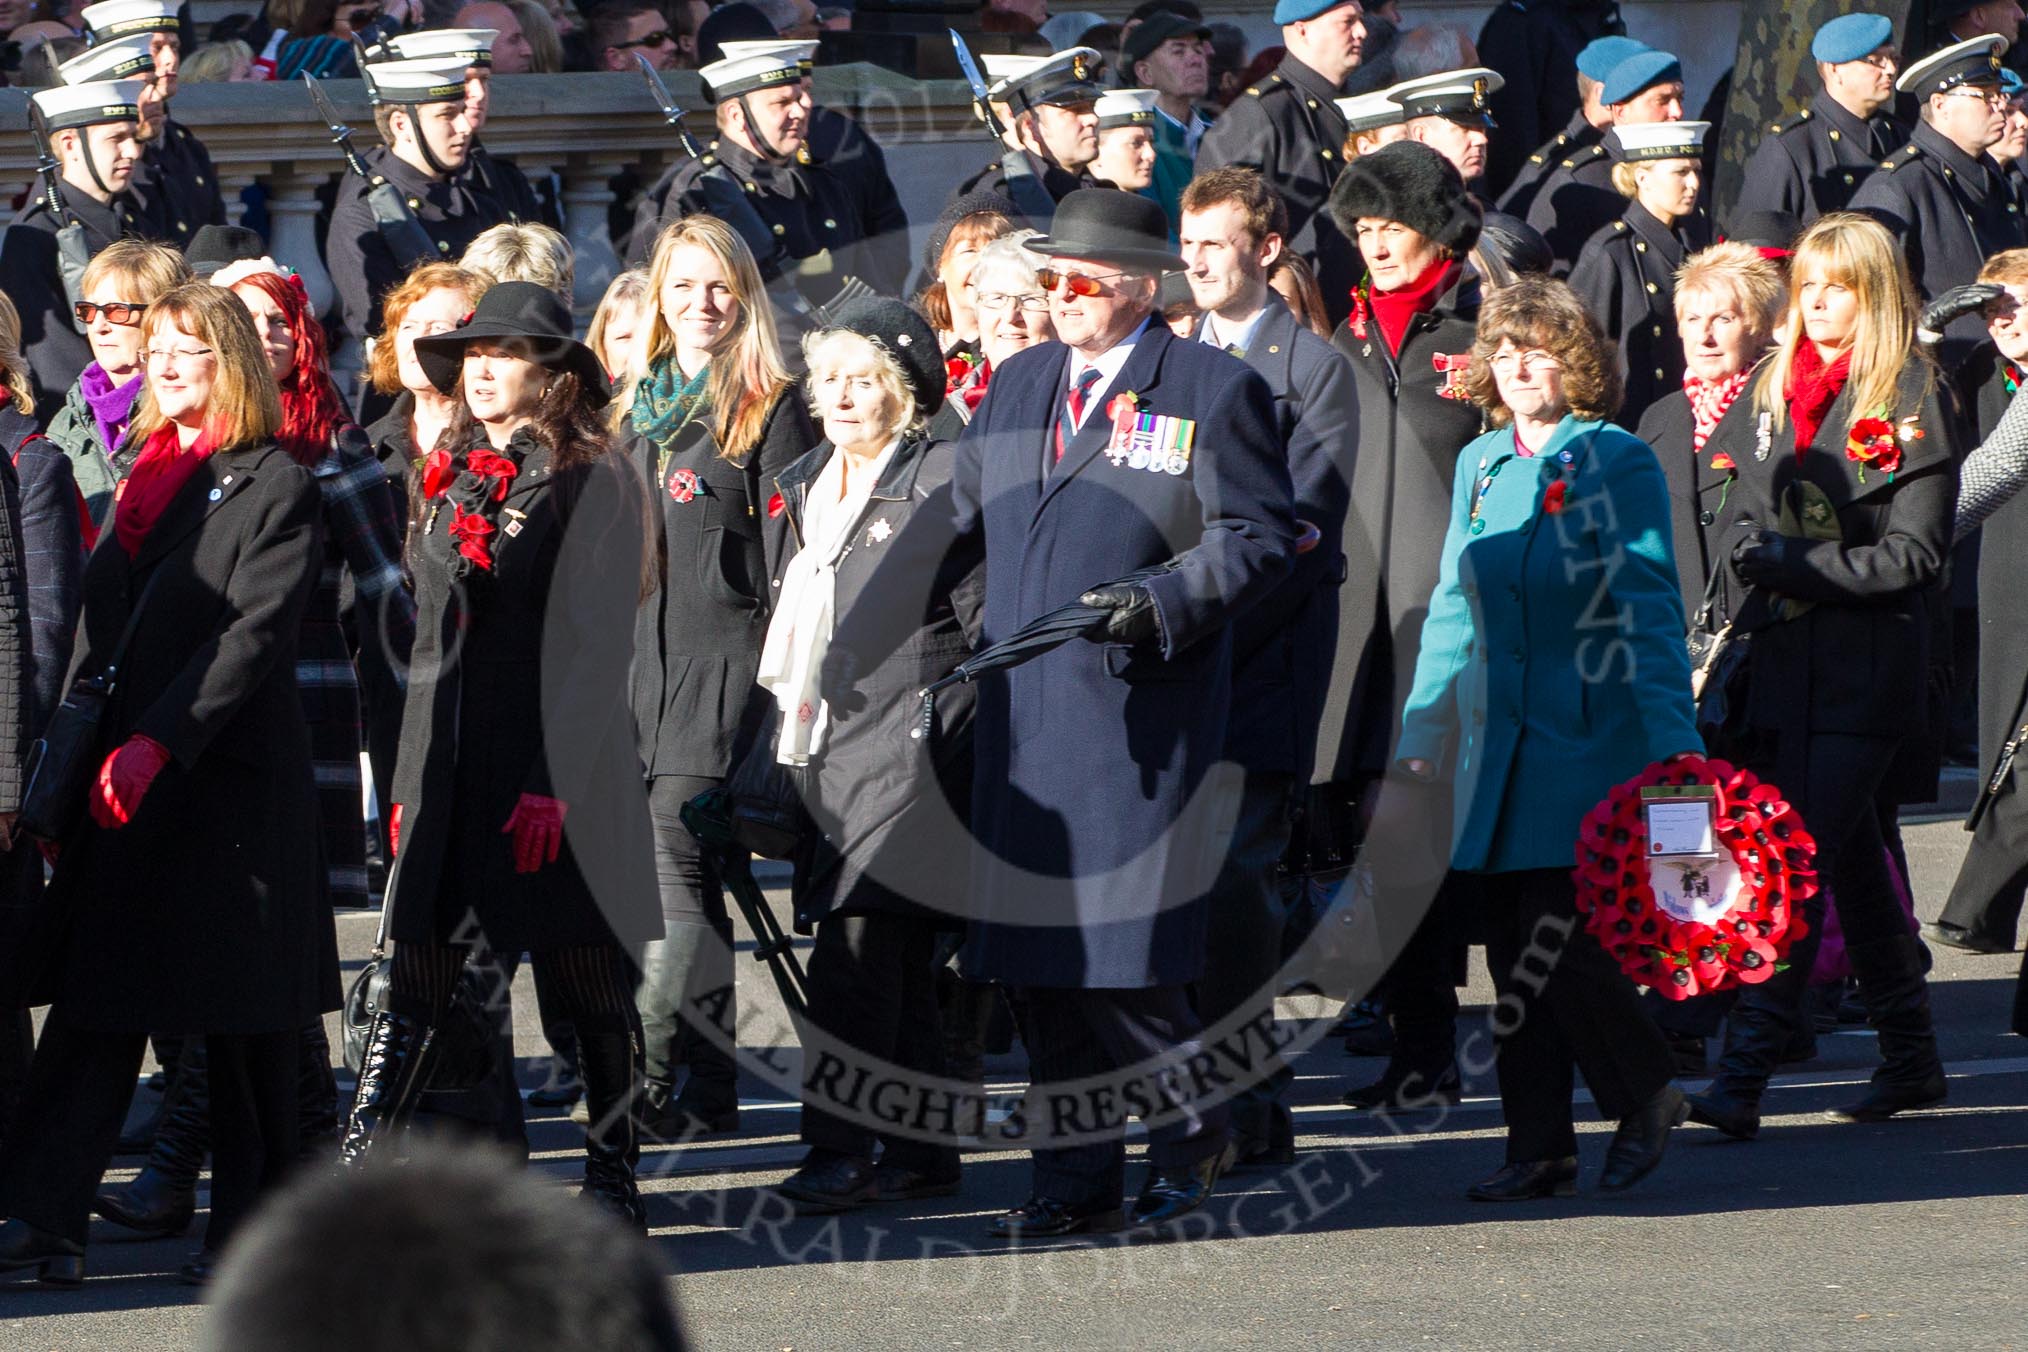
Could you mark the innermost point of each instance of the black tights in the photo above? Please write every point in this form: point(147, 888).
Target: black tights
point(592, 985)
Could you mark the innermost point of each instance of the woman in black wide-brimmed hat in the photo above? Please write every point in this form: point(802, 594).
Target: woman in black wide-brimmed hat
point(520, 819)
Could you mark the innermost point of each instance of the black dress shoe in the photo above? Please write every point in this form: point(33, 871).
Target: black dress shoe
point(197, 1272)
point(153, 1206)
point(1954, 936)
point(1713, 1109)
point(57, 1261)
point(1401, 1090)
point(1366, 1029)
point(828, 1183)
point(1528, 1180)
point(899, 1183)
point(686, 1117)
point(1170, 1196)
point(1046, 1217)
point(1641, 1138)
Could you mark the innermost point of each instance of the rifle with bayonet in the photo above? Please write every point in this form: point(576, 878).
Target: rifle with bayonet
point(1024, 185)
point(399, 229)
point(73, 250)
point(725, 200)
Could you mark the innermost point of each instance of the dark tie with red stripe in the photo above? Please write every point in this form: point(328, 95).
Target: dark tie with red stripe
point(1067, 422)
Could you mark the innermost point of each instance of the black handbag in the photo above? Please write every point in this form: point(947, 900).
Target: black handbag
point(764, 804)
point(63, 760)
point(1718, 661)
point(461, 1049)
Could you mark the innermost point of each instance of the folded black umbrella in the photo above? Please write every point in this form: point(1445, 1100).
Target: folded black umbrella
point(1044, 633)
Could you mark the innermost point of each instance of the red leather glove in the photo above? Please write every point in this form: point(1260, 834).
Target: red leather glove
point(537, 827)
point(394, 830)
point(124, 780)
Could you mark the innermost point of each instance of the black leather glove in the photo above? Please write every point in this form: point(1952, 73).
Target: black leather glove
point(1955, 304)
point(837, 679)
point(1133, 618)
point(1758, 557)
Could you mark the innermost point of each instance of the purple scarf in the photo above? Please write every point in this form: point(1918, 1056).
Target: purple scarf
point(110, 404)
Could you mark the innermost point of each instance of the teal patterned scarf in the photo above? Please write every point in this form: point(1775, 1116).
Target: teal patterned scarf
point(664, 402)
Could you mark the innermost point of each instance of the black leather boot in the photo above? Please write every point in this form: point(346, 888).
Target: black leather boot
point(57, 1261)
point(609, 1063)
point(392, 1074)
point(1897, 1005)
point(163, 1198)
point(1759, 1029)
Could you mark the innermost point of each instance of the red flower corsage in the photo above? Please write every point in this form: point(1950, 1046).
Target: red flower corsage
point(495, 467)
point(438, 471)
point(776, 506)
point(1744, 943)
point(474, 534)
point(1124, 404)
point(1723, 461)
point(1356, 321)
point(1553, 496)
point(683, 484)
point(957, 369)
point(1872, 442)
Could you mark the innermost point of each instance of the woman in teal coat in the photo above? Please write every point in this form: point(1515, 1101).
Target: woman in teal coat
point(1553, 668)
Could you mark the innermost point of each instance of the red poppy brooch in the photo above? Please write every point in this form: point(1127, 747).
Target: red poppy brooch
point(1872, 442)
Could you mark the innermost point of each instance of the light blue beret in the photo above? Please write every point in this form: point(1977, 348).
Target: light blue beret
point(1851, 37)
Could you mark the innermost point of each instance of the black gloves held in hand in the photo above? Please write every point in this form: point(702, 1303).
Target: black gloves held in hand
point(1133, 618)
point(1758, 557)
point(1956, 303)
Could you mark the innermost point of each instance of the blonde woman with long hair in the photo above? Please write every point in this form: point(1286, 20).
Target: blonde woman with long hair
point(1837, 535)
point(710, 416)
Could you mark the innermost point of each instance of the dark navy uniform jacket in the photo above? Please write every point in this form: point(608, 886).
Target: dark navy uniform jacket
point(1950, 212)
point(1288, 127)
point(1534, 45)
point(1057, 181)
point(1627, 279)
point(1575, 202)
point(363, 269)
point(1282, 648)
point(181, 184)
point(1577, 135)
point(51, 343)
point(1099, 818)
point(1816, 160)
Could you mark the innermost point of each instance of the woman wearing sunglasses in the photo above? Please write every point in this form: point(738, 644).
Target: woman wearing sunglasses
point(121, 282)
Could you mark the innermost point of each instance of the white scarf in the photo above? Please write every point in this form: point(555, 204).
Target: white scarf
point(800, 633)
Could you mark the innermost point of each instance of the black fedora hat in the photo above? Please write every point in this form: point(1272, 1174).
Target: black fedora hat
point(213, 246)
point(1112, 227)
point(520, 310)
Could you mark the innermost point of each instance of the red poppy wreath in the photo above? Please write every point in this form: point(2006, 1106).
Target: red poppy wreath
point(1742, 939)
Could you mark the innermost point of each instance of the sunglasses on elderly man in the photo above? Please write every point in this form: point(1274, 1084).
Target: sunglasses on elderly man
point(1074, 282)
point(119, 312)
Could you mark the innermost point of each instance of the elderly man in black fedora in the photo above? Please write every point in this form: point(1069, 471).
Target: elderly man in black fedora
point(1100, 810)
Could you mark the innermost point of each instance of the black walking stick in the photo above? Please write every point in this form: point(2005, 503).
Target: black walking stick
point(709, 818)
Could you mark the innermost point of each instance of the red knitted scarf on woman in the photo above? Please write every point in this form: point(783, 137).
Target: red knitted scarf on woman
point(1812, 388)
point(159, 472)
point(1393, 309)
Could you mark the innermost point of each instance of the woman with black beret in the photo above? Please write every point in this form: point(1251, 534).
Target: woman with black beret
point(1409, 340)
point(519, 818)
point(889, 806)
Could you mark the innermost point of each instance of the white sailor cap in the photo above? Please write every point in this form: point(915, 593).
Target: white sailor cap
point(1068, 76)
point(1973, 61)
point(473, 46)
point(118, 18)
point(1126, 108)
point(408, 83)
point(1459, 95)
point(1370, 112)
point(85, 105)
point(1660, 140)
point(732, 76)
point(127, 58)
point(804, 54)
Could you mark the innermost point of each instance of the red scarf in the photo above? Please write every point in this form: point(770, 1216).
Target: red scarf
point(159, 472)
point(1708, 401)
point(1393, 309)
point(1813, 387)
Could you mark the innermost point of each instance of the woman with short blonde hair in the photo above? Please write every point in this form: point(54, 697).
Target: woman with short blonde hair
point(1836, 535)
point(530, 252)
point(710, 417)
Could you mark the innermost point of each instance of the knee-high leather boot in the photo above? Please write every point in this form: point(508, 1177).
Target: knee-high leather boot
point(163, 1197)
point(609, 1062)
point(392, 1074)
point(1897, 1005)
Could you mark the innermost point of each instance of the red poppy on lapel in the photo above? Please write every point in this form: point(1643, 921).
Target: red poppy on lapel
point(683, 484)
point(437, 473)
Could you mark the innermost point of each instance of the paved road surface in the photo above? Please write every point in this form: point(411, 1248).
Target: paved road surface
point(1910, 1234)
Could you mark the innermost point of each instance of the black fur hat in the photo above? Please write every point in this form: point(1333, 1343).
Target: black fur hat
point(1406, 181)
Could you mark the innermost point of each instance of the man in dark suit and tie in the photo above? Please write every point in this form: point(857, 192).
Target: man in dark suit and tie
point(1101, 810)
point(1233, 229)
